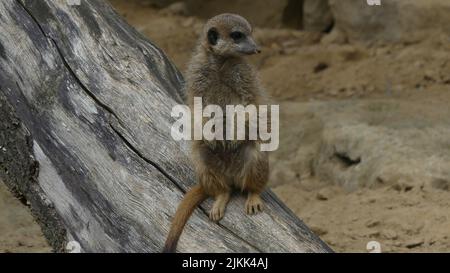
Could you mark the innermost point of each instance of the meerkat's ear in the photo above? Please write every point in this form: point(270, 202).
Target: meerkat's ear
point(213, 36)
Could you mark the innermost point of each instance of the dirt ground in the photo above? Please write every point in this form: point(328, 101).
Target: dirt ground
point(295, 68)
point(18, 230)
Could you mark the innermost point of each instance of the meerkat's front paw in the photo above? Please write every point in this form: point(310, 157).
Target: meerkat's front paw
point(218, 210)
point(216, 213)
point(254, 204)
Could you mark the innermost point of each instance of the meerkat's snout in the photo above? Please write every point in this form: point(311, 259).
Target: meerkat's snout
point(248, 47)
point(230, 35)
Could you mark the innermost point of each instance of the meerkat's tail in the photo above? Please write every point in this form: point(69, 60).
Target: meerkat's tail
point(191, 200)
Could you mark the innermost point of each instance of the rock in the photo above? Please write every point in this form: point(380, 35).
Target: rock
point(429, 75)
point(336, 36)
point(440, 184)
point(317, 15)
point(319, 231)
point(372, 223)
point(403, 185)
point(373, 234)
point(414, 243)
point(177, 8)
point(393, 21)
point(320, 67)
point(324, 194)
point(399, 145)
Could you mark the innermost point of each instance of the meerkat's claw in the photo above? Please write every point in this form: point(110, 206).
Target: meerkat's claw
point(254, 204)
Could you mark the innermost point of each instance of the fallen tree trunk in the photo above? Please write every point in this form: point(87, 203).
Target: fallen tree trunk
point(85, 102)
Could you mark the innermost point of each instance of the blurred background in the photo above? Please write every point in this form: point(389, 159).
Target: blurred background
point(364, 94)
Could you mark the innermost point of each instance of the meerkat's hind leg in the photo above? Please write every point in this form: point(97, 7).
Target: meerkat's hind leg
point(254, 203)
point(217, 211)
point(256, 174)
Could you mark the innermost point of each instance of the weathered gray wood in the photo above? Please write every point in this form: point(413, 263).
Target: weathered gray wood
point(93, 97)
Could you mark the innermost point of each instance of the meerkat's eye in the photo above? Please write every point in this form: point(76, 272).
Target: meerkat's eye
point(213, 36)
point(237, 36)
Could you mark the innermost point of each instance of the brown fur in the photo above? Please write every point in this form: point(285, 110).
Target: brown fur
point(219, 74)
point(191, 200)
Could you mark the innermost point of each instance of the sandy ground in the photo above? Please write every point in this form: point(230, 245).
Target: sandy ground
point(295, 68)
point(18, 230)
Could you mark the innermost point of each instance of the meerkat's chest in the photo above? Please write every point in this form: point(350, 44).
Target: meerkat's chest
point(225, 92)
point(231, 85)
point(223, 96)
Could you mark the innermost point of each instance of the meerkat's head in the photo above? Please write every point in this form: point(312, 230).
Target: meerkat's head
point(229, 35)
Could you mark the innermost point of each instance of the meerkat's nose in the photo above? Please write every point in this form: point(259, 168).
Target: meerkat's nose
point(249, 47)
point(256, 50)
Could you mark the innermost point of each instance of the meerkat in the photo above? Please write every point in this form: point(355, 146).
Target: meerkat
point(220, 75)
